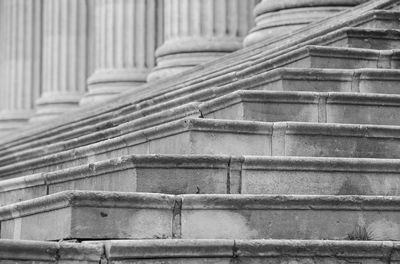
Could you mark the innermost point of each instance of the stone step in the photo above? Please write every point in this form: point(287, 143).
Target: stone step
point(314, 56)
point(380, 19)
point(250, 251)
point(364, 38)
point(177, 174)
point(325, 80)
point(384, 81)
point(108, 215)
point(204, 251)
point(227, 137)
point(37, 252)
point(268, 106)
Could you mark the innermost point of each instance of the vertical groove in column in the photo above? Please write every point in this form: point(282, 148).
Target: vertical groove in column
point(126, 48)
point(198, 31)
point(64, 57)
point(272, 16)
point(20, 61)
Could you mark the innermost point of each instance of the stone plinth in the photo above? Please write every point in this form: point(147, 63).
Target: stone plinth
point(125, 44)
point(276, 18)
point(198, 31)
point(64, 57)
point(20, 61)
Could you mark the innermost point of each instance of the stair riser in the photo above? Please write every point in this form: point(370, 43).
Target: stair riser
point(218, 137)
point(205, 217)
point(287, 224)
point(237, 175)
point(340, 85)
point(365, 43)
point(341, 62)
point(380, 24)
point(322, 112)
point(251, 252)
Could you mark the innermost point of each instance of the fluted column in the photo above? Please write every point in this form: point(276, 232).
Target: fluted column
point(126, 40)
point(197, 31)
point(20, 61)
point(64, 57)
point(277, 17)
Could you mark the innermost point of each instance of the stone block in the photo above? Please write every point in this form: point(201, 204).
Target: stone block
point(378, 39)
point(105, 215)
point(335, 140)
point(378, 19)
point(37, 252)
point(89, 215)
point(171, 174)
point(22, 188)
point(313, 252)
point(313, 56)
point(319, 176)
point(268, 106)
point(290, 217)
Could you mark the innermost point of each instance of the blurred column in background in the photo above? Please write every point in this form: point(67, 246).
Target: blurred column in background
point(278, 17)
point(126, 39)
point(20, 61)
point(64, 57)
point(198, 31)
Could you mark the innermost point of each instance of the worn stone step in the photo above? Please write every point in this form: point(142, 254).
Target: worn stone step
point(314, 56)
point(38, 252)
point(177, 174)
point(364, 38)
point(268, 106)
point(227, 137)
point(204, 251)
point(325, 80)
point(107, 215)
point(381, 19)
point(384, 81)
point(250, 251)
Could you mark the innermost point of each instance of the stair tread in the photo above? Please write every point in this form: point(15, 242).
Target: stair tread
point(105, 215)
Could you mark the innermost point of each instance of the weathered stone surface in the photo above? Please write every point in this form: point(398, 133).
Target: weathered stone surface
point(250, 251)
point(382, 19)
point(382, 81)
point(141, 120)
point(105, 215)
point(225, 137)
point(379, 39)
point(319, 176)
point(215, 174)
point(29, 252)
point(89, 215)
point(305, 107)
point(289, 217)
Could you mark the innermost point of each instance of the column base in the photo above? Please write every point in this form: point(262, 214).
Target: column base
point(52, 105)
point(181, 54)
point(13, 120)
point(106, 84)
point(277, 18)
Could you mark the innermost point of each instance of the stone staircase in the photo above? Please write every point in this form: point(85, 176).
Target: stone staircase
point(285, 152)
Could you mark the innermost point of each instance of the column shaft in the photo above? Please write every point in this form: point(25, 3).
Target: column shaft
point(64, 57)
point(126, 40)
point(197, 31)
point(21, 61)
